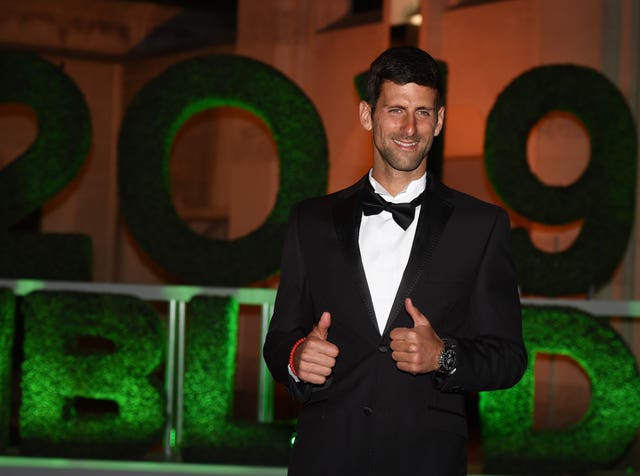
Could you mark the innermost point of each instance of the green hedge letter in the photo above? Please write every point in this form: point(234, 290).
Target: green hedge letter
point(45, 169)
point(210, 434)
point(87, 383)
point(7, 316)
point(510, 442)
point(149, 127)
point(603, 197)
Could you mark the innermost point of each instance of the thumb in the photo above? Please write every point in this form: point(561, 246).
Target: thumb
point(419, 319)
point(323, 325)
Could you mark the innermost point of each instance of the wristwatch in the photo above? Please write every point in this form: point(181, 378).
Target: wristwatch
point(447, 359)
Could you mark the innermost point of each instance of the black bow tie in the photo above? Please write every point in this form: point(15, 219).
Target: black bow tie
point(402, 213)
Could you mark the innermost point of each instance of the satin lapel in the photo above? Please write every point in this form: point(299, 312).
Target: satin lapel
point(433, 218)
point(347, 215)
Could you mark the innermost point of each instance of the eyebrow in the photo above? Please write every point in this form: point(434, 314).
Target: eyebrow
point(392, 106)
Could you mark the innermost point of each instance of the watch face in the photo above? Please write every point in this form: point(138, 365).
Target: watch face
point(448, 360)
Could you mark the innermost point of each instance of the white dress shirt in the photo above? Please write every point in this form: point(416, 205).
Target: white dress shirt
point(385, 248)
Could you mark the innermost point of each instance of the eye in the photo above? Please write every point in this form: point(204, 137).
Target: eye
point(424, 112)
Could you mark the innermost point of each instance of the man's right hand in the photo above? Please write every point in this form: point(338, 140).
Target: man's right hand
point(315, 358)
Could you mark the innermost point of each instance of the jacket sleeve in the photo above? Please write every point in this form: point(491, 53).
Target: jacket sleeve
point(491, 353)
point(293, 312)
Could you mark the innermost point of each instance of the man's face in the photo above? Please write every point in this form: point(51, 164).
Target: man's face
point(403, 126)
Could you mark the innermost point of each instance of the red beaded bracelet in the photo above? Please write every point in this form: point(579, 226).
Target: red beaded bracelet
point(293, 351)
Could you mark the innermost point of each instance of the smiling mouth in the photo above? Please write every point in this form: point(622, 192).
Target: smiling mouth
point(405, 143)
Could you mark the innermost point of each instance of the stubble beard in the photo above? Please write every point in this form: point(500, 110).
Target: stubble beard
point(396, 161)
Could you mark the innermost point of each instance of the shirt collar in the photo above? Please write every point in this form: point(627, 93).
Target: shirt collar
point(411, 191)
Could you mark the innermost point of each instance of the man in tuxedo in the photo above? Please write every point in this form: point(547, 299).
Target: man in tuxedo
point(397, 296)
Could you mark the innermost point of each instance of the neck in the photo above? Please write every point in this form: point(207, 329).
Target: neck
point(395, 181)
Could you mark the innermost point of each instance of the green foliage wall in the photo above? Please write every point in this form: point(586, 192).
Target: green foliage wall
point(7, 316)
point(84, 354)
point(44, 170)
point(510, 443)
point(211, 434)
point(603, 197)
point(148, 130)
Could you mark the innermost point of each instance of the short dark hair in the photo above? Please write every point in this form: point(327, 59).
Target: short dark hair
point(403, 65)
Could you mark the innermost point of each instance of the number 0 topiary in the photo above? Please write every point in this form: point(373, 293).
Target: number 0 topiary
point(149, 128)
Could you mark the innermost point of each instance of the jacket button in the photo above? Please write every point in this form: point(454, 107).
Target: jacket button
point(382, 348)
point(367, 411)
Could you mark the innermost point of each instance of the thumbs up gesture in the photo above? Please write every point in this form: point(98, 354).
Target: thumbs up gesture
point(416, 350)
point(315, 358)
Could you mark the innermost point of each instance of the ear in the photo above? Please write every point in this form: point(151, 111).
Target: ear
point(440, 122)
point(365, 115)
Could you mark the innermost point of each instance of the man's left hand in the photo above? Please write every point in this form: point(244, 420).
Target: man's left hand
point(416, 350)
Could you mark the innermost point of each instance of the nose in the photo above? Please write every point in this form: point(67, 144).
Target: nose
point(409, 125)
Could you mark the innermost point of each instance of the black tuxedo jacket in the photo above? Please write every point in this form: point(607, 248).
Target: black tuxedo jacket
point(370, 418)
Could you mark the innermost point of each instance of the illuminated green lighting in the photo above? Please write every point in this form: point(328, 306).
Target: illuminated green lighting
point(633, 309)
point(210, 432)
point(293, 439)
point(121, 412)
point(25, 286)
point(180, 293)
point(172, 438)
point(7, 318)
point(608, 427)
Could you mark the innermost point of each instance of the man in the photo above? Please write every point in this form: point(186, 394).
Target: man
point(383, 322)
